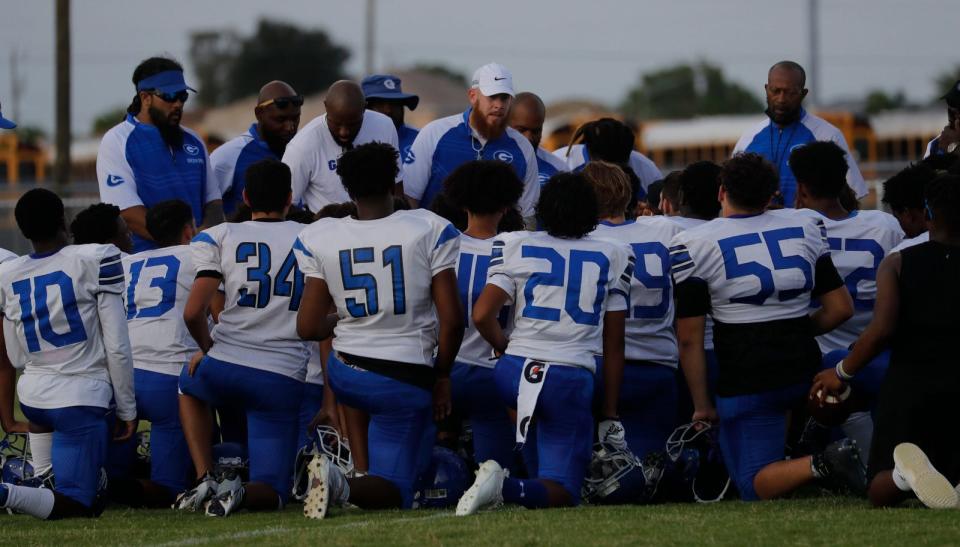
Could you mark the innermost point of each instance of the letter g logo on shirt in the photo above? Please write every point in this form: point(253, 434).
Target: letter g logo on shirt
point(503, 156)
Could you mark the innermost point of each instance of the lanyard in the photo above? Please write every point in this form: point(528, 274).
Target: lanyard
point(778, 152)
point(479, 151)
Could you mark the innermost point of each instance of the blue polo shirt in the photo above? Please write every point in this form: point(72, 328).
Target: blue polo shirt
point(447, 143)
point(775, 144)
point(230, 163)
point(577, 157)
point(548, 165)
point(406, 136)
point(136, 167)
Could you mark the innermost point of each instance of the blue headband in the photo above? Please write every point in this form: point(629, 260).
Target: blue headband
point(169, 81)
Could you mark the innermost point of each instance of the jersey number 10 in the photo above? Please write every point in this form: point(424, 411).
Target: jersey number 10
point(34, 312)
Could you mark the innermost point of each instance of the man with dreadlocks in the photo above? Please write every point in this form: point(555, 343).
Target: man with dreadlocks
point(609, 140)
point(149, 157)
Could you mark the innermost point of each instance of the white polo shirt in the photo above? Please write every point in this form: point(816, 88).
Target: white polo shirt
point(313, 153)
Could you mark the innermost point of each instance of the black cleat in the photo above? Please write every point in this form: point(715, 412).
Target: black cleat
point(841, 468)
point(813, 440)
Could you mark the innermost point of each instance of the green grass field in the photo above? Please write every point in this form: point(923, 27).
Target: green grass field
point(808, 521)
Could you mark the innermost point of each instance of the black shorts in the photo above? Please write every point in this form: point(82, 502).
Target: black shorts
point(918, 413)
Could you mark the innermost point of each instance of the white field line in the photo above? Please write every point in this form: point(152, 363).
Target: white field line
point(277, 530)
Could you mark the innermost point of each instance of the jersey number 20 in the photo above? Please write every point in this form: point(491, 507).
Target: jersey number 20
point(574, 279)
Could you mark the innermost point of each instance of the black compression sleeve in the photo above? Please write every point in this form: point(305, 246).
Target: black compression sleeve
point(693, 298)
point(826, 277)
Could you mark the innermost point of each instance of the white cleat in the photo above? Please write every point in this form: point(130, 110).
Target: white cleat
point(486, 491)
point(228, 498)
point(326, 484)
point(195, 498)
point(930, 486)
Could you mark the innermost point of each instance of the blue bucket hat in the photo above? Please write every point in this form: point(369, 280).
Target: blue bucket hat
point(386, 87)
point(5, 123)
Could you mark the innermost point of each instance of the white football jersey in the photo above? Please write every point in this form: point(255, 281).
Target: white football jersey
point(6, 255)
point(262, 285)
point(158, 285)
point(13, 349)
point(857, 245)
point(650, 333)
point(577, 157)
point(758, 268)
point(686, 223)
point(379, 273)
point(472, 266)
point(314, 367)
point(51, 301)
point(910, 242)
point(560, 289)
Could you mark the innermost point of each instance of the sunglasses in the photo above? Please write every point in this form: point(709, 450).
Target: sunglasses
point(181, 96)
point(283, 102)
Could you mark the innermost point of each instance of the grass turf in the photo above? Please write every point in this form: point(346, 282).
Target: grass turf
point(808, 521)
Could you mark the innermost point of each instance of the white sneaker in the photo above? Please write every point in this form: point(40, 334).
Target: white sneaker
point(196, 497)
point(326, 484)
point(486, 490)
point(933, 489)
point(228, 498)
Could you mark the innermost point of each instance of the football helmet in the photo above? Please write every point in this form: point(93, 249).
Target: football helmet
point(231, 458)
point(16, 466)
point(140, 467)
point(617, 476)
point(444, 481)
point(694, 453)
point(325, 440)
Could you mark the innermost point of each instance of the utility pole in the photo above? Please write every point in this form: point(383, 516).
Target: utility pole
point(814, 68)
point(17, 85)
point(369, 31)
point(61, 169)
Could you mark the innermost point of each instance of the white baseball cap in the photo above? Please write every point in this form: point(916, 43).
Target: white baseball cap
point(493, 79)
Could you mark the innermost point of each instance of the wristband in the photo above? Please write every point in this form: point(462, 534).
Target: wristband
point(842, 374)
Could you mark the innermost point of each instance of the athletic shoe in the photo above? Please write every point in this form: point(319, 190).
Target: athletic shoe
point(486, 491)
point(653, 466)
point(301, 481)
point(103, 488)
point(813, 439)
point(326, 483)
point(196, 497)
point(933, 489)
point(840, 465)
point(228, 498)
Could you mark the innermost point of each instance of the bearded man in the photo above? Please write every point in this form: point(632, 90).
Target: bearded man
point(149, 157)
point(481, 132)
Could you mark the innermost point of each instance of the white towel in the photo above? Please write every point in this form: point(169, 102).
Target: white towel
point(531, 382)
